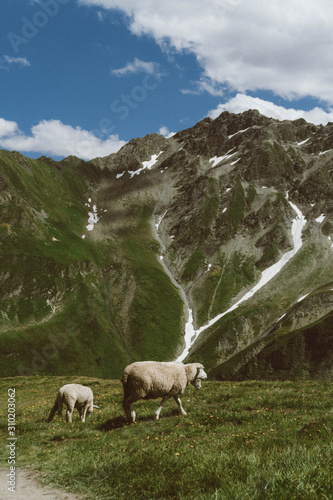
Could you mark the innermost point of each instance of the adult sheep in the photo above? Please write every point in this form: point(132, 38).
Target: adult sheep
point(74, 396)
point(152, 379)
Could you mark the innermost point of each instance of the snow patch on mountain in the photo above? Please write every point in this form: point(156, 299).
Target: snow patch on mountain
point(281, 317)
point(146, 165)
point(303, 142)
point(218, 159)
point(331, 243)
point(302, 298)
point(93, 218)
point(159, 220)
point(298, 224)
point(239, 132)
point(320, 218)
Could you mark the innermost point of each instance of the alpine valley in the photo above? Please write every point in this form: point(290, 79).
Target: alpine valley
point(214, 245)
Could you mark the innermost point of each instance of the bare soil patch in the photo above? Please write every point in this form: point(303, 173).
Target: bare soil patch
point(28, 486)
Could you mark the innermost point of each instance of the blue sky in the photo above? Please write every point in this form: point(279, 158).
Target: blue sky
point(83, 77)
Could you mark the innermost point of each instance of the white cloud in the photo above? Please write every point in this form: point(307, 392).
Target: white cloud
point(7, 61)
point(205, 85)
point(166, 132)
point(7, 128)
point(242, 102)
point(284, 46)
point(137, 66)
point(17, 60)
point(54, 138)
point(100, 16)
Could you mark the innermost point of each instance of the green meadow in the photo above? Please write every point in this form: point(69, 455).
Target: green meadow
point(239, 440)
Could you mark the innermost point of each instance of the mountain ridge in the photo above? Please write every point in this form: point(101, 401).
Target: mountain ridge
point(181, 228)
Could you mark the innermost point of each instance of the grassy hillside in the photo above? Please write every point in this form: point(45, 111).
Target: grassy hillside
point(240, 440)
point(70, 304)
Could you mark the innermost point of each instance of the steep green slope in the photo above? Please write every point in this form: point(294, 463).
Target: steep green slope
point(65, 305)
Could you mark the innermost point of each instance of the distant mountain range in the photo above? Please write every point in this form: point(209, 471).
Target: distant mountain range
point(215, 245)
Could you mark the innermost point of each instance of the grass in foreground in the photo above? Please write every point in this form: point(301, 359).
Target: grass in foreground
point(247, 440)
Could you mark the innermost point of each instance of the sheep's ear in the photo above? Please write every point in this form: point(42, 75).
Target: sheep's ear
point(200, 370)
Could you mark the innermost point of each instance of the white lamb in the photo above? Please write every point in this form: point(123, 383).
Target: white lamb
point(151, 380)
point(74, 396)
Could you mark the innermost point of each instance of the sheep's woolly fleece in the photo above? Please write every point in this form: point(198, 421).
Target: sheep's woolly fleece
point(71, 395)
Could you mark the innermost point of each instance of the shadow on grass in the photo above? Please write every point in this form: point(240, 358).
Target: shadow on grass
point(113, 423)
point(119, 422)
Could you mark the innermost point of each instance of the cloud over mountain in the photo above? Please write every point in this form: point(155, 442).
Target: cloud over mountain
point(242, 102)
point(52, 137)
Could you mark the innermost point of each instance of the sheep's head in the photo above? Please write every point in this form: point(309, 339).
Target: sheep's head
point(200, 375)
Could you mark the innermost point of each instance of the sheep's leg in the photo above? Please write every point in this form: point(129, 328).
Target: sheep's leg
point(158, 411)
point(127, 409)
point(129, 412)
point(179, 403)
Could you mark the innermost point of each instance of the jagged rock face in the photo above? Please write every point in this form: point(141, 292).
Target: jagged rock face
point(231, 219)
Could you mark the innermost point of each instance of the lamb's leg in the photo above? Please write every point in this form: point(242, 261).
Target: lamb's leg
point(158, 411)
point(83, 412)
point(57, 407)
point(70, 402)
point(179, 403)
point(60, 404)
point(69, 413)
point(53, 411)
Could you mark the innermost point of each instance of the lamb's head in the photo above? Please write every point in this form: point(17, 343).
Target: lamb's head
point(90, 409)
point(200, 375)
